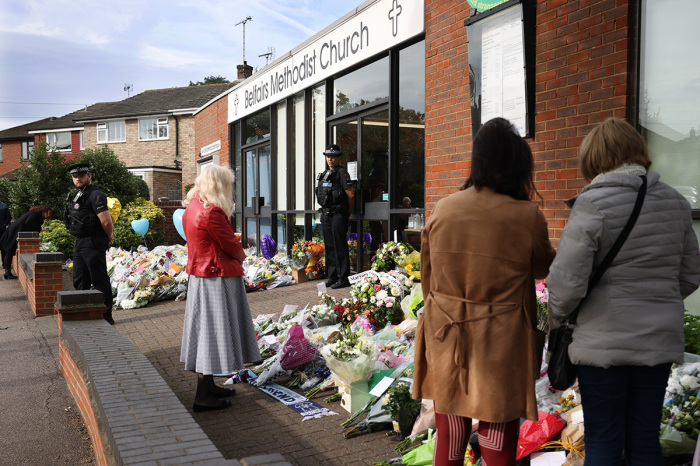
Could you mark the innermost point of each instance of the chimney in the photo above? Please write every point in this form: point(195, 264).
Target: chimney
point(244, 70)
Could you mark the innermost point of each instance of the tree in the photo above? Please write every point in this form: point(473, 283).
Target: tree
point(211, 80)
point(5, 189)
point(112, 176)
point(44, 182)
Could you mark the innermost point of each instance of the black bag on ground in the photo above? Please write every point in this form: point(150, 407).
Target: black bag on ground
point(560, 370)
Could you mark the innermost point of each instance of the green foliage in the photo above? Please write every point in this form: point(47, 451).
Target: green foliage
point(211, 80)
point(45, 181)
point(691, 329)
point(58, 235)
point(5, 189)
point(124, 235)
point(112, 176)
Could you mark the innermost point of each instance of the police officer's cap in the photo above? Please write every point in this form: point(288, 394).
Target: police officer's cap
point(333, 150)
point(79, 169)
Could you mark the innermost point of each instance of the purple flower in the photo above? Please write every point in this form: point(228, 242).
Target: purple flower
point(353, 237)
point(366, 237)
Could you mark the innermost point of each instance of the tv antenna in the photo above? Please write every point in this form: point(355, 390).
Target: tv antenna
point(270, 55)
point(128, 88)
point(248, 18)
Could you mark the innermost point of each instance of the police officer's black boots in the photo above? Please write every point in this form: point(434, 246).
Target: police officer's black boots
point(108, 317)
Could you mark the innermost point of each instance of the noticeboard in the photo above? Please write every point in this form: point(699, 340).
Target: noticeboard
point(501, 66)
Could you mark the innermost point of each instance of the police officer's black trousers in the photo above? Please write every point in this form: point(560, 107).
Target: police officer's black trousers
point(335, 231)
point(90, 268)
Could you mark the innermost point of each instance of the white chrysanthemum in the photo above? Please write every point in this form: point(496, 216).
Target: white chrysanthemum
point(689, 382)
point(382, 294)
point(395, 291)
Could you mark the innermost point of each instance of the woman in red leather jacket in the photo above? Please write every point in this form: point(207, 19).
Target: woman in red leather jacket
point(218, 335)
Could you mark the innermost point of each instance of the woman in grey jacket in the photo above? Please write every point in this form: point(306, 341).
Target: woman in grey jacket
point(630, 326)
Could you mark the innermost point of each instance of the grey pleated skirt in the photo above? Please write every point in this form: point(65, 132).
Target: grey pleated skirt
point(218, 335)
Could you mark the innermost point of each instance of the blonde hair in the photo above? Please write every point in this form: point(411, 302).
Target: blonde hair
point(215, 187)
point(611, 144)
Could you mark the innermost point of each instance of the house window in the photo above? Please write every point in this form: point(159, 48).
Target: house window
point(153, 128)
point(27, 148)
point(58, 141)
point(0, 152)
point(82, 140)
point(111, 131)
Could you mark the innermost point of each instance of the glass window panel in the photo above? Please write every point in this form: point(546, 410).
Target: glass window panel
point(59, 141)
point(298, 155)
point(669, 101)
point(282, 233)
point(251, 231)
point(82, 140)
point(257, 127)
point(410, 180)
point(299, 228)
point(368, 84)
point(265, 226)
point(318, 137)
point(265, 167)
point(316, 229)
point(0, 152)
point(251, 181)
point(281, 141)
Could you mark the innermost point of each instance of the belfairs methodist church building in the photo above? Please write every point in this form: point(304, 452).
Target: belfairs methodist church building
point(402, 85)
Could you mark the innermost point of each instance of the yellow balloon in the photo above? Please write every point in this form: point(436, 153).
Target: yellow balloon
point(114, 207)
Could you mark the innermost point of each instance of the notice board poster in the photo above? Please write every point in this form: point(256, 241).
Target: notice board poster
point(497, 68)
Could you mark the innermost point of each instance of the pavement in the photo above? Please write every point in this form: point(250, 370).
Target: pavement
point(42, 412)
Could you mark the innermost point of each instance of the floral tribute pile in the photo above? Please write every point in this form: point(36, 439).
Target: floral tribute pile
point(144, 276)
point(308, 255)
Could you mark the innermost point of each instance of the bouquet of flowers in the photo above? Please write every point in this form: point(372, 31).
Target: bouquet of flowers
point(351, 357)
point(680, 422)
point(389, 255)
point(401, 406)
point(301, 252)
point(542, 313)
point(142, 297)
point(411, 264)
point(380, 297)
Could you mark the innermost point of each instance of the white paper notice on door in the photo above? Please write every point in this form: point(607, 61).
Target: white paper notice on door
point(503, 69)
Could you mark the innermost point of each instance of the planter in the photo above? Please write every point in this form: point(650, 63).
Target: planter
point(405, 423)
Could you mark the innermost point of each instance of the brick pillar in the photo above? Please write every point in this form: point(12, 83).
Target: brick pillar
point(47, 281)
point(27, 243)
point(79, 305)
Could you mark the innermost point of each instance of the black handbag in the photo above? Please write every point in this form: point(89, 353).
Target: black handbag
point(561, 371)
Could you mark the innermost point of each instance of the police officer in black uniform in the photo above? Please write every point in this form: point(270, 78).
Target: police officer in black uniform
point(87, 218)
point(337, 199)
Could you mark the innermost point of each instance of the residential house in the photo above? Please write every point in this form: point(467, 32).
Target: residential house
point(152, 133)
point(15, 146)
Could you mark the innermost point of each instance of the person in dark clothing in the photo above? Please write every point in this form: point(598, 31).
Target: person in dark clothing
point(31, 221)
point(5, 217)
point(87, 218)
point(336, 196)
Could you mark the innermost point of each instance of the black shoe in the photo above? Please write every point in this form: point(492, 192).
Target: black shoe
point(8, 276)
point(342, 283)
point(109, 319)
point(331, 281)
point(220, 405)
point(223, 393)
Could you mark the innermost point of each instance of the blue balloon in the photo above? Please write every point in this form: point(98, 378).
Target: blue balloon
point(140, 226)
point(177, 220)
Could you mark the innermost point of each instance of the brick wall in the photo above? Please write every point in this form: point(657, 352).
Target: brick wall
point(211, 124)
point(169, 207)
point(582, 78)
point(160, 182)
point(11, 156)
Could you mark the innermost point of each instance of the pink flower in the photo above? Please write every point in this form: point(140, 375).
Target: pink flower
point(377, 287)
point(389, 304)
point(540, 287)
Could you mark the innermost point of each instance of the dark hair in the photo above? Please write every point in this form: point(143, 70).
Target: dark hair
point(502, 161)
point(44, 209)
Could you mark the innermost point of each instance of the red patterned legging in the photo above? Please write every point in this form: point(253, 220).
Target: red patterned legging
point(498, 441)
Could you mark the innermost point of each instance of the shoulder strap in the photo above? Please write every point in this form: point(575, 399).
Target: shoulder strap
point(610, 256)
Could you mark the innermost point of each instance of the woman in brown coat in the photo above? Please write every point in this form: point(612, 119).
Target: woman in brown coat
point(478, 351)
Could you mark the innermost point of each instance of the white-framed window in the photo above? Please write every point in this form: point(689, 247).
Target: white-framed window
point(153, 128)
point(0, 151)
point(82, 140)
point(27, 148)
point(59, 141)
point(111, 131)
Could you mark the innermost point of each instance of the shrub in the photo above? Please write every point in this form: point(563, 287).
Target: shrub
point(5, 188)
point(692, 333)
point(126, 238)
point(111, 175)
point(58, 235)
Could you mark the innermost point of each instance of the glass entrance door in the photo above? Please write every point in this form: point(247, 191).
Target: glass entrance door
point(258, 195)
point(364, 142)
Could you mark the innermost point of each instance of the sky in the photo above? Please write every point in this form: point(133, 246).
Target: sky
point(57, 56)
